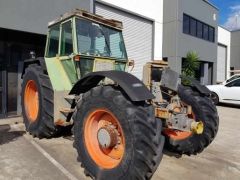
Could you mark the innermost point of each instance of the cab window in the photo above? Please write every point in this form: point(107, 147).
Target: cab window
point(53, 41)
point(66, 39)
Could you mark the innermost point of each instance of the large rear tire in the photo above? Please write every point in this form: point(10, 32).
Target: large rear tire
point(37, 102)
point(139, 149)
point(204, 110)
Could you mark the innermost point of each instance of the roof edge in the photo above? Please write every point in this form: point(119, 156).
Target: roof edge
point(215, 7)
point(221, 26)
point(236, 30)
point(86, 15)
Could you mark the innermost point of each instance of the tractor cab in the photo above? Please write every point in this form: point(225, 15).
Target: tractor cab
point(85, 43)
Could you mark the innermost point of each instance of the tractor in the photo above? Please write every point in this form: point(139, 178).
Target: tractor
point(120, 123)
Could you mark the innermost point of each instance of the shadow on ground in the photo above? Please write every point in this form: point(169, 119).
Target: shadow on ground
point(7, 135)
point(229, 105)
point(171, 154)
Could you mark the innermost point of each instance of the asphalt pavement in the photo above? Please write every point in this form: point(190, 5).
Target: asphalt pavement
point(25, 158)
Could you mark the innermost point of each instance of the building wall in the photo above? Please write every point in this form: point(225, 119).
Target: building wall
point(195, 8)
point(23, 25)
point(170, 32)
point(176, 44)
point(151, 9)
point(34, 15)
point(224, 38)
point(235, 50)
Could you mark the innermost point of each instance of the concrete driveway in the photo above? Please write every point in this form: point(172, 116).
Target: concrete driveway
point(25, 158)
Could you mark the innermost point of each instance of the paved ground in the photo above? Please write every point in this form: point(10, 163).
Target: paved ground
point(25, 158)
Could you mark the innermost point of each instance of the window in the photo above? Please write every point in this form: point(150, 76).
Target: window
point(205, 32)
point(53, 41)
point(211, 34)
point(198, 29)
point(233, 78)
point(186, 24)
point(99, 40)
point(235, 83)
point(66, 39)
point(193, 27)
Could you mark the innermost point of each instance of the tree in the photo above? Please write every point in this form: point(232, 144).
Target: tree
point(191, 64)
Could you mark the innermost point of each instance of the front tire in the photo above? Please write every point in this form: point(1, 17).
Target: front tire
point(140, 139)
point(37, 102)
point(214, 98)
point(204, 110)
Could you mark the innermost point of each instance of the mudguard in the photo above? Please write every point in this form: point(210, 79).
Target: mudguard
point(40, 61)
point(132, 86)
point(199, 87)
point(170, 79)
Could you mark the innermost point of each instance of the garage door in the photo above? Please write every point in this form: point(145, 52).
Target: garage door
point(137, 34)
point(221, 63)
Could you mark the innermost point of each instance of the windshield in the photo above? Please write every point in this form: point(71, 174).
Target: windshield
point(99, 40)
point(233, 78)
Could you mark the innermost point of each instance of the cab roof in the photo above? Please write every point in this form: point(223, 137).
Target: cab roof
point(86, 15)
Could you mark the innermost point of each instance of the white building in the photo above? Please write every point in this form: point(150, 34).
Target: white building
point(228, 61)
point(235, 51)
point(224, 54)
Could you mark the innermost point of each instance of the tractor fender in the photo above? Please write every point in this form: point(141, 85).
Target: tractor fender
point(40, 61)
point(202, 89)
point(199, 87)
point(132, 86)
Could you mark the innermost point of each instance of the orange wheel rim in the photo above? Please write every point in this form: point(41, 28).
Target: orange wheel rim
point(176, 134)
point(31, 101)
point(109, 157)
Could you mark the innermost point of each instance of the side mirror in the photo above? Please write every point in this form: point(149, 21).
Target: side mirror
point(228, 85)
point(131, 63)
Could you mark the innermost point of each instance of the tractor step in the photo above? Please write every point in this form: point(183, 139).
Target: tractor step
point(66, 111)
point(71, 98)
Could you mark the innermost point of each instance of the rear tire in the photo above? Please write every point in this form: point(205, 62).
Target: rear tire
point(141, 131)
point(205, 111)
point(41, 124)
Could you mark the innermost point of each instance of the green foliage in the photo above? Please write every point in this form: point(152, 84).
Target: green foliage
point(190, 65)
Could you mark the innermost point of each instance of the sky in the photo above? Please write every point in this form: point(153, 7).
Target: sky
point(229, 13)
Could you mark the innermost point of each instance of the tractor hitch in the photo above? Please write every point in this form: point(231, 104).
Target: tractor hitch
point(179, 121)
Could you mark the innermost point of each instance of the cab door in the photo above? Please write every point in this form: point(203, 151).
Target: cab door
point(55, 68)
point(67, 51)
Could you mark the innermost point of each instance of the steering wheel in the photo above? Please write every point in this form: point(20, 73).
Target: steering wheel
point(92, 52)
point(106, 53)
